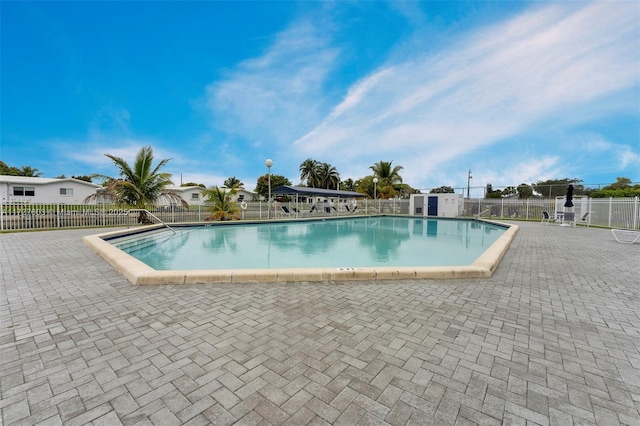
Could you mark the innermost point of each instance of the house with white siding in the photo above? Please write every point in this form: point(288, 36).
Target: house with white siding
point(74, 191)
point(45, 190)
point(193, 195)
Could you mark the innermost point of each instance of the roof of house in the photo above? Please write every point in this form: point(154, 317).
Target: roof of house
point(25, 180)
point(315, 192)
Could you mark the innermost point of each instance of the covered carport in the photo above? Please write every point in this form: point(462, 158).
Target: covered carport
point(303, 191)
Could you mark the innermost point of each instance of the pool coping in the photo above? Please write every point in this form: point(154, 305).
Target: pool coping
point(139, 273)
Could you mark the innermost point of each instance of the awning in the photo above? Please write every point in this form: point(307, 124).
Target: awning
point(315, 192)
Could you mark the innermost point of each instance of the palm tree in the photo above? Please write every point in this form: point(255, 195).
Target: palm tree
point(348, 185)
point(387, 177)
point(328, 176)
point(29, 172)
point(233, 183)
point(223, 207)
point(309, 171)
point(140, 186)
point(383, 171)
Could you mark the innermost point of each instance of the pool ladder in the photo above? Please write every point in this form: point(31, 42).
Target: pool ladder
point(153, 216)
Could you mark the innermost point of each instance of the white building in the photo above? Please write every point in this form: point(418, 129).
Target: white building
point(45, 190)
point(443, 205)
point(73, 191)
point(193, 195)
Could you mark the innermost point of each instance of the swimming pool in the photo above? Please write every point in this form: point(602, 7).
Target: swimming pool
point(378, 247)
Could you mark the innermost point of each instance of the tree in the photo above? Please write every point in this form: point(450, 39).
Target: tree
point(365, 186)
point(348, 185)
point(491, 193)
point(327, 176)
point(509, 191)
point(140, 186)
point(83, 178)
point(404, 190)
point(620, 183)
point(558, 187)
point(443, 190)
point(385, 174)
point(233, 183)
point(309, 172)
point(27, 171)
point(262, 185)
point(223, 208)
point(386, 192)
point(621, 188)
point(201, 185)
point(524, 191)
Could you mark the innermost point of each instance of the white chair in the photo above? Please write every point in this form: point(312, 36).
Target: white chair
point(569, 219)
point(585, 219)
point(546, 218)
point(626, 236)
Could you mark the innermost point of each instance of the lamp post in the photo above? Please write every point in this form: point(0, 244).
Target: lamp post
point(375, 188)
point(469, 177)
point(269, 163)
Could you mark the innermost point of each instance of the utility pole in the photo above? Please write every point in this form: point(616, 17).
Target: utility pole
point(469, 177)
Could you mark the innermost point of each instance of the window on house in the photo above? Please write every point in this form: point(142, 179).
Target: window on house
point(28, 191)
point(195, 196)
point(66, 191)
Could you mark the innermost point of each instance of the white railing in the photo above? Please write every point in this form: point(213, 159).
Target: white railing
point(609, 212)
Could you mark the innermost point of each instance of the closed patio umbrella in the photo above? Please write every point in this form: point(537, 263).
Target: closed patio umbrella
point(569, 202)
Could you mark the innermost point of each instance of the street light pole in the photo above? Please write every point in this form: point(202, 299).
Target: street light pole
point(469, 177)
point(269, 163)
point(375, 187)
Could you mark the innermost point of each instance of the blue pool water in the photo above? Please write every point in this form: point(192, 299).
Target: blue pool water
point(352, 242)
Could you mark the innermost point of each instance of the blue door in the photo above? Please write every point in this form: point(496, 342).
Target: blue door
point(432, 206)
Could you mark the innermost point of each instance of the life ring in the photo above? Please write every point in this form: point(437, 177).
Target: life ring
point(243, 205)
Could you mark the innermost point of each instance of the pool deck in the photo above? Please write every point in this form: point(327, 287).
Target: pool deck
point(552, 338)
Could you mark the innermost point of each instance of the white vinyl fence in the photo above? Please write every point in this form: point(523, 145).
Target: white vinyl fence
point(609, 212)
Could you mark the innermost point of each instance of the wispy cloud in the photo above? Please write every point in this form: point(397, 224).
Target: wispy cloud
point(613, 156)
point(490, 86)
point(276, 97)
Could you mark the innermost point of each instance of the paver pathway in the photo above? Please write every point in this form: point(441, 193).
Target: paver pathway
point(552, 338)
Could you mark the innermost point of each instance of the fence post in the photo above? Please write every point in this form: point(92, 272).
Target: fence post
point(1, 215)
point(635, 212)
point(610, 207)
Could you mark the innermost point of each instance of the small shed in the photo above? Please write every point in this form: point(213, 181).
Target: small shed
point(442, 205)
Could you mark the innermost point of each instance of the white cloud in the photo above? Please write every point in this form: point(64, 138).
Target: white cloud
point(275, 97)
point(613, 156)
point(490, 86)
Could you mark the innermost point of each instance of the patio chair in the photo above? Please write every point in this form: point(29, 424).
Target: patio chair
point(626, 236)
point(285, 211)
point(569, 219)
point(585, 219)
point(546, 218)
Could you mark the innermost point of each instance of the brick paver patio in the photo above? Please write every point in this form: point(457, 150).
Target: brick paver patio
point(552, 338)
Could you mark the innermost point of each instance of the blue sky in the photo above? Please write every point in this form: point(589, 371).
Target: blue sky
point(515, 91)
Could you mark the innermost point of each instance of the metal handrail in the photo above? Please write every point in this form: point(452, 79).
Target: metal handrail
point(153, 216)
point(482, 213)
